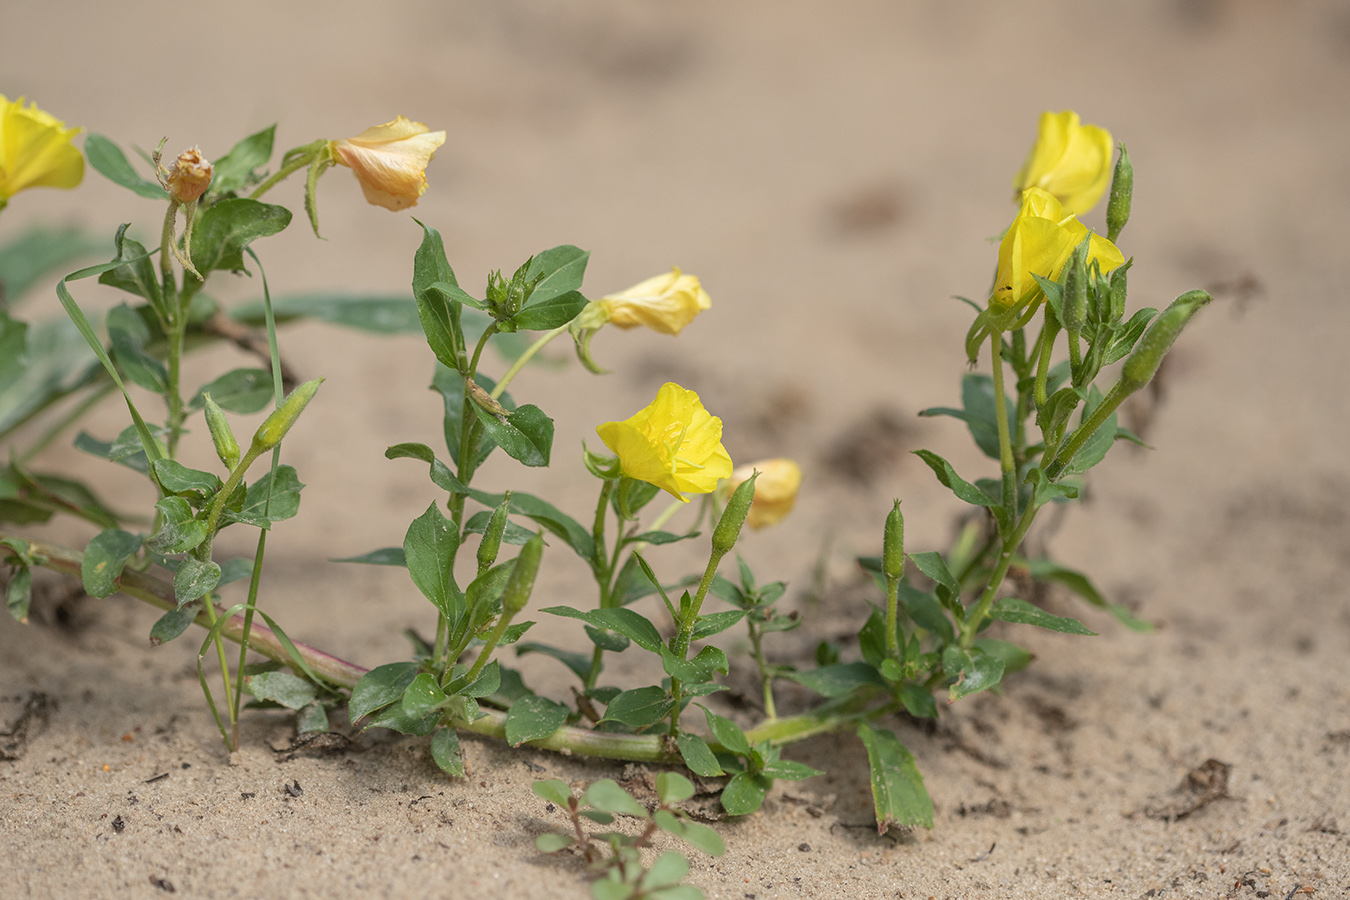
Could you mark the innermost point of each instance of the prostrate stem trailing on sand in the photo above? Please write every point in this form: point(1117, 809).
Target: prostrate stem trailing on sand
point(1043, 424)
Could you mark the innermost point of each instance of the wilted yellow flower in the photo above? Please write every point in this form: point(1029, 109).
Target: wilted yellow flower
point(665, 303)
point(674, 444)
point(1039, 242)
point(390, 161)
point(1070, 160)
point(775, 489)
point(189, 176)
point(35, 150)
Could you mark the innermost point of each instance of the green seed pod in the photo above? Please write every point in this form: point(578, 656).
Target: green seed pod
point(733, 517)
point(1148, 354)
point(227, 448)
point(521, 582)
point(275, 426)
point(491, 545)
point(1122, 187)
point(893, 546)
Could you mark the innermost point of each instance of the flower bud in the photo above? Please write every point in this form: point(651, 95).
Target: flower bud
point(733, 517)
point(775, 491)
point(665, 303)
point(189, 176)
point(491, 543)
point(893, 546)
point(1069, 160)
point(1075, 304)
point(227, 448)
point(520, 583)
point(1122, 187)
point(1148, 354)
point(1119, 287)
point(275, 426)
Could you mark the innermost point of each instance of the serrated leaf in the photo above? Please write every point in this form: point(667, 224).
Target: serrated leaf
point(533, 718)
point(898, 792)
point(1011, 609)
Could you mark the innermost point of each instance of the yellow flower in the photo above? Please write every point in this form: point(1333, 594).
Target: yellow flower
point(35, 150)
point(674, 444)
point(665, 303)
point(189, 176)
point(775, 489)
point(390, 161)
point(1070, 160)
point(1039, 242)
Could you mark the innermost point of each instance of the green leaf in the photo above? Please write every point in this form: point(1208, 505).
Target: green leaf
point(955, 483)
point(39, 251)
point(837, 680)
point(445, 751)
point(238, 391)
point(104, 558)
point(925, 611)
point(898, 793)
point(526, 434)
point(179, 531)
point(173, 623)
point(552, 790)
point(487, 682)
point(745, 793)
point(790, 770)
point(109, 161)
point(639, 708)
point(715, 623)
point(1080, 584)
point(672, 787)
point(550, 313)
point(532, 718)
point(19, 590)
point(934, 566)
point(311, 719)
point(422, 696)
point(551, 842)
point(1015, 658)
point(291, 691)
point(272, 498)
point(429, 548)
point(726, 732)
point(393, 717)
point(514, 534)
point(701, 837)
point(606, 796)
point(440, 473)
point(1011, 609)
point(372, 313)
point(235, 170)
point(562, 268)
point(385, 556)
point(177, 478)
point(546, 514)
point(380, 687)
point(670, 868)
point(450, 385)
point(972, 671)
point(129, 334)
point(224, 229)
point(918, 702)
point(977, 396)
point(625, 621)
point(194, 579)
point(696, 670)
point(440, 318)
point(580, 664)
point(137, 276)
point(607, 640)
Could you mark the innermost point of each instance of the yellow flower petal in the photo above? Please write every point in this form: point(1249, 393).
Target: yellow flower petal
point(674, 444)
point(35, 150)
point(390, 161)
point(1069, 160)
point(775, 489)
point(665, 303)
point(1040, 241)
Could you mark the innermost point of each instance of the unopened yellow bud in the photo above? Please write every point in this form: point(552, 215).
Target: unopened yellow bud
point(775, 489)
point(275, 426)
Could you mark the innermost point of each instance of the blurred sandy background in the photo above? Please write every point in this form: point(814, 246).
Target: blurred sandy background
point(831, 172)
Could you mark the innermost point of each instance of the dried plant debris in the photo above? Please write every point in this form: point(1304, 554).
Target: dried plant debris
point(1202, 786)
point(313, 744)
point(14, 738)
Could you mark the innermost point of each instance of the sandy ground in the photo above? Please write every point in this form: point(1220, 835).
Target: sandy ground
point(831, 172)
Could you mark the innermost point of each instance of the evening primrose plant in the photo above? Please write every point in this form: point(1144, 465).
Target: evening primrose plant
point(1060, 350)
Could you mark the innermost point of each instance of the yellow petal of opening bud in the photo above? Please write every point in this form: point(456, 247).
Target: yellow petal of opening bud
point(189, 176)
point(775, 489)
point(35, 150)
point(674, 444)
point(390, 161)
point(664, 303)
point(1069, 160)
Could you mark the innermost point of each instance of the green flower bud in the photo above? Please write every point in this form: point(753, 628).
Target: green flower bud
point(733, 517)
point(491, 545)
point(893, 546)
point(521, 582)
point(1148, 354)
point(227, 448)
point(1118, 206)
point(1075, 304)
point(275, 426)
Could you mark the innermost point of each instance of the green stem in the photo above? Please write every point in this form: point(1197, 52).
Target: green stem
point(525, 357)
point(1005, 453)
point(688, 618)
point(282, 174)
point(980, 611)
point(1086, 430)
point(765, 676)
point(248, 627)
point(1046, 347)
